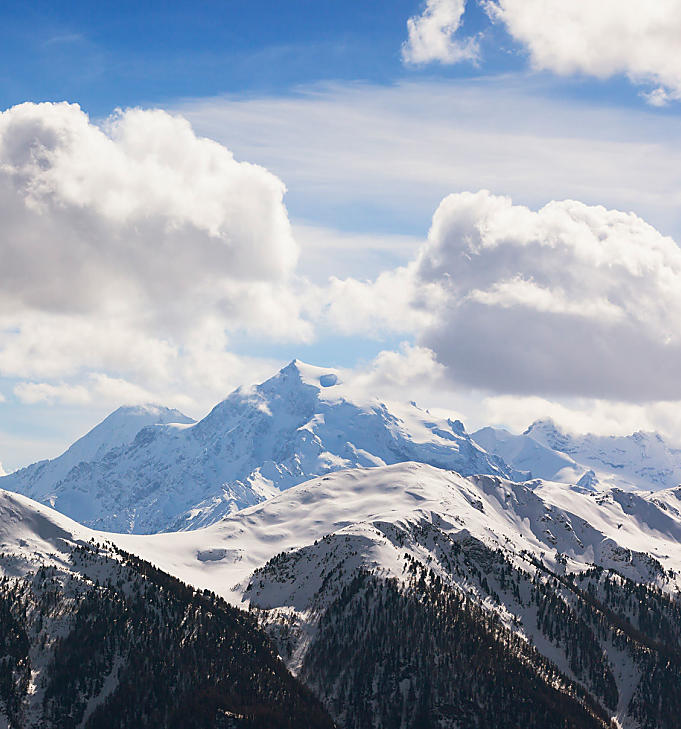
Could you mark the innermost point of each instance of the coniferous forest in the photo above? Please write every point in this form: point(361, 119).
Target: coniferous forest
point(126, 645)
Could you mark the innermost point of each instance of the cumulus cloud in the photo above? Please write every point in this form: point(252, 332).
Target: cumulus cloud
point(584, 415)
point(567, 300)
point(604, 38)
point(394, 302)
point(400, 370)
point(97, 388)
point(431, 35)
point(130, 250)
point(139, 211)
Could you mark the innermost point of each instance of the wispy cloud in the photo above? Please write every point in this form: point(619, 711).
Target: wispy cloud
point(64, 39)
point(382, 158)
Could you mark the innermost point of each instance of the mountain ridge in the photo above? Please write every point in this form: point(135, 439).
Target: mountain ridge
point(548, 577)
point(640, 460)
point(300, 423)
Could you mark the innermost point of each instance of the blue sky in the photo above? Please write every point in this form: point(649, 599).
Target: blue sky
point(368, 145)
point(108, 55)
point(128, 53)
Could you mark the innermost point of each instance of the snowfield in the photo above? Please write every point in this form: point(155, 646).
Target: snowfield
point(613, 528)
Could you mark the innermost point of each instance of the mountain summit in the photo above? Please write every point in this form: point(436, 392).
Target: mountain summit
point(300, 423)
point(641, 460)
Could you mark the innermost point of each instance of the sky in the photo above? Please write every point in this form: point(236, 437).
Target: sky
point(473, 204)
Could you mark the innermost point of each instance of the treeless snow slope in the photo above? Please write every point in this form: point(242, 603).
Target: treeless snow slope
point(542, 518)
point(33, 534)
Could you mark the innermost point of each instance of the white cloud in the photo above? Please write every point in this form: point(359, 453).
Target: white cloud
point(106, 362)
point(431, 35)
point(137, 214)
point(98, 388)
point(129, 250)
point(583, 415)
point(393, 302)
point(408, 145)
point(658, 97)
point(568, 300)
point(31, 393)
point(399, 371)
point(2, 470)
point(603, 38)
point(413, 372)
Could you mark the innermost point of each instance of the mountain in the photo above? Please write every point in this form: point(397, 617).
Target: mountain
point(524, 453)
point(471, 601)
point(301, 423)
point(91, 636)
point(640, 460)
point(117, 430)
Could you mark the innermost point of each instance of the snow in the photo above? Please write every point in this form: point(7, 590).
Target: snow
point(32, 534)
point(612, 527)
point(116, 430)
point(637, 461)
point(278, 556)
point(300, 423)
point(527, 454)
point(540, 517)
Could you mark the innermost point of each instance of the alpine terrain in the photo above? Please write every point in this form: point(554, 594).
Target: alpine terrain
point(318, 560)
point(469, 601)
point(93, 637)
point(160, 471)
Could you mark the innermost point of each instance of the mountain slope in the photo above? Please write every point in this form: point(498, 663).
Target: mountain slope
point(93, 637)
point(640, 460)
point(525, 453)
point(464, 597)
point(351, 571)
point(300, 423)
point(536, 517)
point(117, 430)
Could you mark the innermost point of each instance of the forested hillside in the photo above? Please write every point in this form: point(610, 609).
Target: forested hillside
point(113, 643)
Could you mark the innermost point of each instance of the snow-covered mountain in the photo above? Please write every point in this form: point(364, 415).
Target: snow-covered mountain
point(93, 637)
point(527, 454)
point(565, 527)
point(640, 460)
point(637, 461)
point(298, 424)
point(563, 570)
point(554, 606)
point(117, 430)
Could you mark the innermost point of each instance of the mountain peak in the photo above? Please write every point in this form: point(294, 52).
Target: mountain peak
point(542, 425)
point(308, 374)
point(160, 414)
